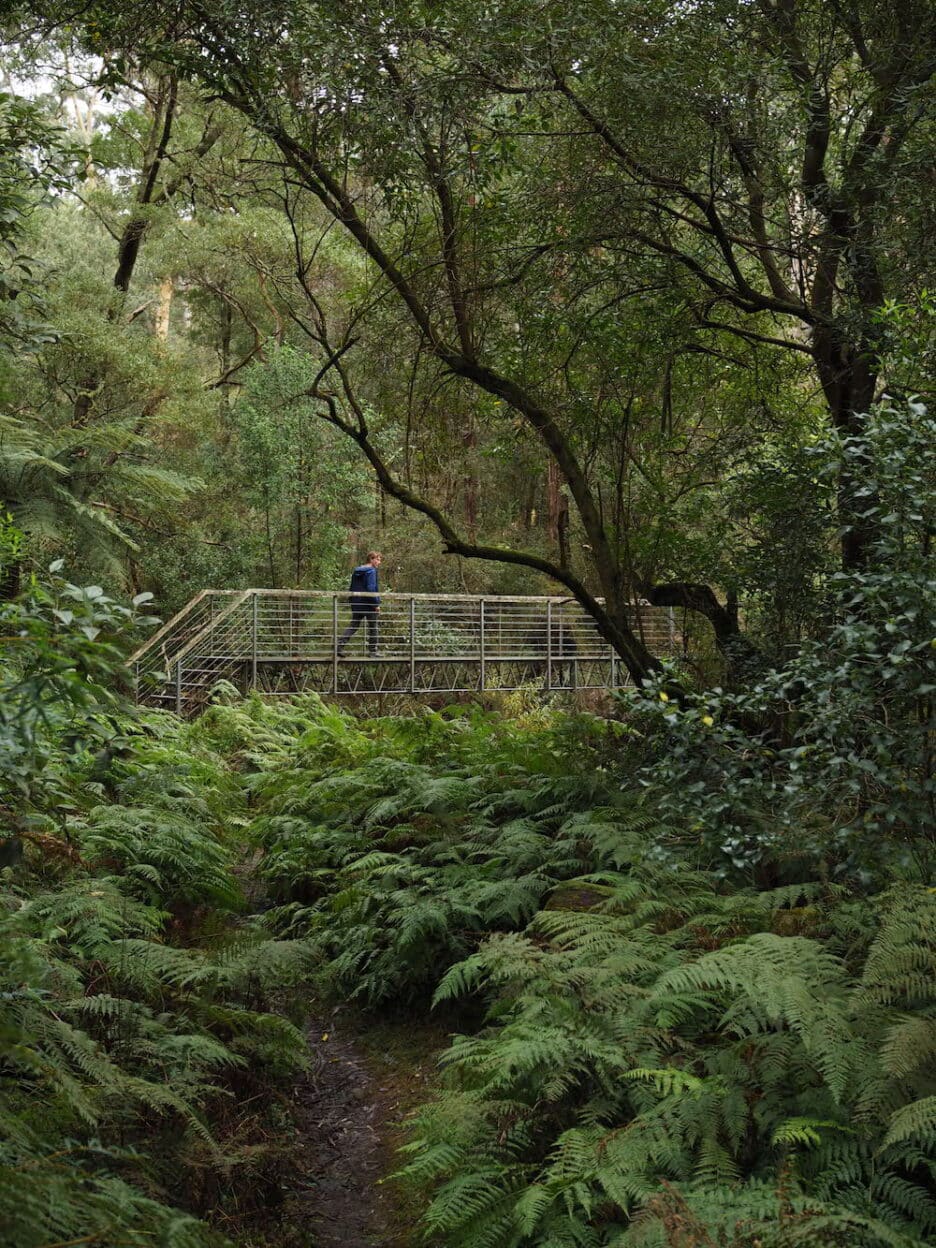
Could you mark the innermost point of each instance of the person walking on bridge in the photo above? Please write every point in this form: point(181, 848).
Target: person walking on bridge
point(365, 604)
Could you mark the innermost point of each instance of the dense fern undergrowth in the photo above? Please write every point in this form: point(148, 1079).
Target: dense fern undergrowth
point(666, 1059)
point(670, 1056)
point(146, 1054)
point(690, 949)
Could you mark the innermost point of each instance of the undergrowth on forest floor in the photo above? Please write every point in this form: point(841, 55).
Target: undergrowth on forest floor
point(689, 952)
point(147, 1040)
point(671, 1056)
point(652, 1053)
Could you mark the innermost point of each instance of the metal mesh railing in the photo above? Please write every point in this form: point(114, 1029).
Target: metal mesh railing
point(311, 625)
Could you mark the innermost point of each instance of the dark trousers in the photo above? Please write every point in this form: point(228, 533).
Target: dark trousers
point(358, 616)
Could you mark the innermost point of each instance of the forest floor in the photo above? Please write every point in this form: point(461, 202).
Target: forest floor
point(349, 1114)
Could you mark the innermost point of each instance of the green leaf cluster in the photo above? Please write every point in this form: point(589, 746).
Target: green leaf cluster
point(748, 1069)
point(394, 846)
point(828, 756)
point(138, 1005)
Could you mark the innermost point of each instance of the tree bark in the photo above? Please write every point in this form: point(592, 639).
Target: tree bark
point(164, 309)
point(147, 197)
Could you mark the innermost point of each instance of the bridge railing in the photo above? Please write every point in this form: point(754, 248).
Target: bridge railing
point(155, 656)
point(306, 625)
point(282, 640)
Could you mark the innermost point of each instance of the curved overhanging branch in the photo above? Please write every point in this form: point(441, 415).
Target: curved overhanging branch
point(639, 661)
point(313, 173)
point(734, 285)
point(612, 625)
point(694, 597)
point(610, 617)
point(703, 600)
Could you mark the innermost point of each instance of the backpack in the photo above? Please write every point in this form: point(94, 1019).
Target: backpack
point(358, 580)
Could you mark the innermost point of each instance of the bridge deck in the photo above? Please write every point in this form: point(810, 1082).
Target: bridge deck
point(285, 641)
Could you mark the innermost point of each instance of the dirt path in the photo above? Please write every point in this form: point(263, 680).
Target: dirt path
point(338, 1114)
point(347, 1114)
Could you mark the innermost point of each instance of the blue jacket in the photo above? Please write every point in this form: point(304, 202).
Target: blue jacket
point(364, 580)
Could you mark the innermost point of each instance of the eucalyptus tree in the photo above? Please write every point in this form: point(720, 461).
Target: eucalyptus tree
point(93, 460)
point(521, 178)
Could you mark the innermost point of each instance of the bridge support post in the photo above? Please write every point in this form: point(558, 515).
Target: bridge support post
point(483, 654)
point(575, 671)
point(335, 644)
point(255, 608)
point(178, 688)
point(412, 645)
point(549, 660)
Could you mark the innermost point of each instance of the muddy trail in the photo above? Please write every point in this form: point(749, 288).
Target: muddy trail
point(346, 1124)
point(347, 1112)
point(339, 1113)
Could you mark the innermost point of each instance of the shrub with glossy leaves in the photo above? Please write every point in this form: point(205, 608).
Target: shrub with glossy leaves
point(830, 755)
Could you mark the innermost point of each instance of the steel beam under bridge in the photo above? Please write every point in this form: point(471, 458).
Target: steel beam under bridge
point(282, 642)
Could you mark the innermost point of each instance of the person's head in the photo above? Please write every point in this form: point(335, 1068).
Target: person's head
point(374, 557)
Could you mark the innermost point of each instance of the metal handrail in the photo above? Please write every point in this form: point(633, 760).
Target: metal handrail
point(252, 634)
point(212, 625)
point(172, 625)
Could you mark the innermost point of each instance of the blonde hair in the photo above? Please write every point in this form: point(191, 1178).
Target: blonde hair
point(373, 554)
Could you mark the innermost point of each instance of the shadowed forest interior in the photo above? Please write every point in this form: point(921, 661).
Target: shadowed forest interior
point(621, 932)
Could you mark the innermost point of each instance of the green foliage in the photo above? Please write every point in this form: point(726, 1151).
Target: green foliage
point(164, 853)
point(671, 1059)
point(669, 1056)
point(32, 161)
point(705, 940)
point(664, 1055)
point(393, 845)
point(782, 569)
point(299, 474)
point(11, 546)
point(497, 297)
point(687, 1060)
point(909, 342)
point(137, 1005)
point(829, 755)
point(88, 485)
point(62, 657)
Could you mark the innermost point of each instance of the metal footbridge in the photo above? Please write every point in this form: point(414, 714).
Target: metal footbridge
point(283, 642)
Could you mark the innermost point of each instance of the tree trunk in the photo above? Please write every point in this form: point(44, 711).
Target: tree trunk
point(849, 382)
point(128, 249)
point(528, 516)
point(558, 503)
point(470, 442)
point(164, 309)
